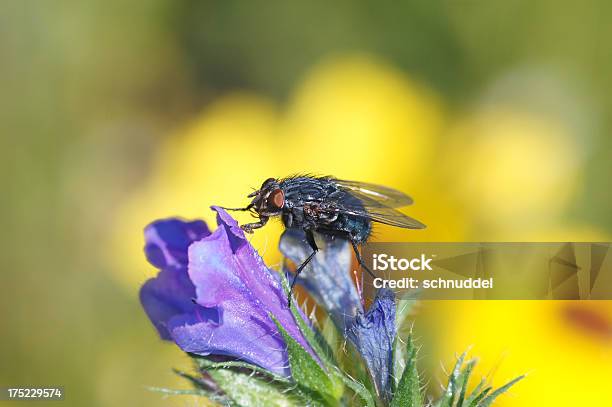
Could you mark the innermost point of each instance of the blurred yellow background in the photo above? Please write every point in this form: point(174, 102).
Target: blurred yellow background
point(494, 117)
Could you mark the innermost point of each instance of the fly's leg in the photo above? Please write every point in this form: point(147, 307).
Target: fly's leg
point(249, 227)
point(360, 259)
point(313, 245)
point(246, 208)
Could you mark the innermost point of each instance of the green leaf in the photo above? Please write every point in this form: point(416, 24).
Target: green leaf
point(353, 368)
point(463, 381)
point(359, 389)
point(178, 392)
point(399, 357)
point(249, 390)
point(317, 342)
point(479, 397)
point(221, 400)
point(408, 393)
point(475, 392)
point(306, 371)
point(203, 363)
point(329, 334)
point(201, 388)
point(320, 347)
point(452, 389)
point(404, 308)
point(292, 391)
point(489, 399)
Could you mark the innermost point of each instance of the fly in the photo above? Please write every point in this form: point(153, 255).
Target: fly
point(328, 206)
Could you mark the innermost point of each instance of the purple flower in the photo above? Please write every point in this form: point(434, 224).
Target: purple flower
point(373, 334)
point(214, 295)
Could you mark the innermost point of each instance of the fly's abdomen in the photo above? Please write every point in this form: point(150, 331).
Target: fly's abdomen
point(359, 228)
point(356, 228)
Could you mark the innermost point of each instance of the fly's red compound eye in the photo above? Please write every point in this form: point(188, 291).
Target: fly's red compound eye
point(277, 199)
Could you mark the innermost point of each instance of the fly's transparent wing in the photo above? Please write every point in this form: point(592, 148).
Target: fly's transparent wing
point(388, 216)
point(377, 203)
point(375, 195)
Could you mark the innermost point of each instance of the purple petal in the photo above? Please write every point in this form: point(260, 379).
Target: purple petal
point(171, 293)
point(167, 295)
point(235, 234)
point(167, 241)
point(239, 335)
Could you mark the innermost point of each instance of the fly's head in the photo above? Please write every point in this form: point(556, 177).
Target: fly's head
point(269, 200)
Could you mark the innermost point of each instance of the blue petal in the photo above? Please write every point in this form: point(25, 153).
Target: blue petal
point(327, 277)
point(373, 334)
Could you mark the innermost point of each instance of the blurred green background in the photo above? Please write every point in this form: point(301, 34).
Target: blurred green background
point(495, 116)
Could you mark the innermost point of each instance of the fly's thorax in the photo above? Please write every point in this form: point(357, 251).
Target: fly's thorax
point(293, 216)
